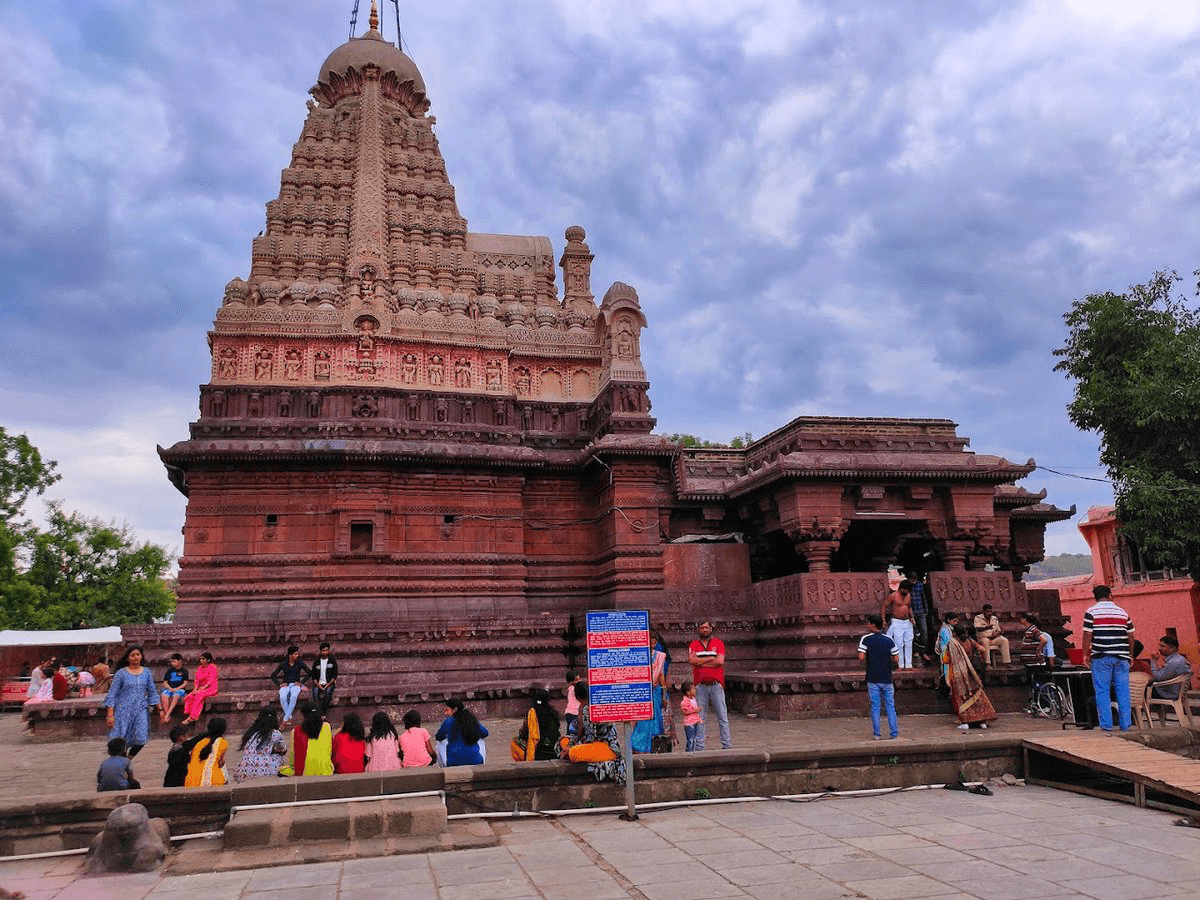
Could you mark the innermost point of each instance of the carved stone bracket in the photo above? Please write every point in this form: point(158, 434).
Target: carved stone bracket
point(818, 541)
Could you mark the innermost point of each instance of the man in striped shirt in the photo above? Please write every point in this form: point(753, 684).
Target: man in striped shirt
point(1108, 648)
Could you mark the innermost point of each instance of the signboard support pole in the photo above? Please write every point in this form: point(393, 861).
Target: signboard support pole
point(630, 814)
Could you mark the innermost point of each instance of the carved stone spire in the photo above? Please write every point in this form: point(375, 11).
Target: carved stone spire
point(374, 20)
point(368, 225)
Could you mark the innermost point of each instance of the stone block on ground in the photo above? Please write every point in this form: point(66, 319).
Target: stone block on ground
point(252, 828)
point(327, 822)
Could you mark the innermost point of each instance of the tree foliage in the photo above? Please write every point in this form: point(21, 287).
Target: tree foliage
point(691, 441)
point(1135, 360)
point(77, 572)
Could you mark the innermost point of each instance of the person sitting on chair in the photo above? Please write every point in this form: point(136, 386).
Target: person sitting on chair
point(1166, 664)
point(1036, 650)
point(1137, 664)
point(989, 634)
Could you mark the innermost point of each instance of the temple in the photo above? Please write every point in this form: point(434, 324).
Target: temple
point(415, 444)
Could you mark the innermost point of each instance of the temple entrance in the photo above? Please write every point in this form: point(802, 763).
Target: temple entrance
point(773, 555)
point(871, 545)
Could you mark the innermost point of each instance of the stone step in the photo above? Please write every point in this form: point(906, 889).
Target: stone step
point(283, 826)
point(216, 855)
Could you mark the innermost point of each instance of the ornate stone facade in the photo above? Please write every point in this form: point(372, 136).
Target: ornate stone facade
point(408, 428)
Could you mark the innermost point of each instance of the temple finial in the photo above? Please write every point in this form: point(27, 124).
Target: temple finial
point(374, 20)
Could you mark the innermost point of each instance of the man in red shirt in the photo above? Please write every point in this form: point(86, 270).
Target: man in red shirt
point(707, 656)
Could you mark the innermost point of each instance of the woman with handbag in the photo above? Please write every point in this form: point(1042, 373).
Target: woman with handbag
point(654, 735)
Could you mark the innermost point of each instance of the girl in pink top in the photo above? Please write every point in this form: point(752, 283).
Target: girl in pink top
point(571, 714)
point(416, 744)
point(204, 687)
point(383, 744)
point(691, 714)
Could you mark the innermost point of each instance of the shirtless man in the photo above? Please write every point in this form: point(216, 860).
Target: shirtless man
point(898, 605)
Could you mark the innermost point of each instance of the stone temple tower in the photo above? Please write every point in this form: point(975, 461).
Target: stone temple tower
point(414, 444)
point(395, 401)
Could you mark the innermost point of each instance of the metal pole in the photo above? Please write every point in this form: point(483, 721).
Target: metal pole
point(630, 814)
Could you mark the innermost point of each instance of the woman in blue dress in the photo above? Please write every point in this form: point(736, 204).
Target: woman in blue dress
point(645, 731)
point(130, 698)
point(462, 733)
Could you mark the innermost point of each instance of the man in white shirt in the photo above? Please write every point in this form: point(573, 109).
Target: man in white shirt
point(324, 674)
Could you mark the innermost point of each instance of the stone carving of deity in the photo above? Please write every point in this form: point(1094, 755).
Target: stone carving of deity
point(321, 365)
point(555, 419)
point(217, 403)
point(366, 283)
point(629, 398)
point(227, 364)
point(439, 409)
point(468, 412)
point(365, 407)
point(527, 417)
point(285, 404)
point(408, 368)
point(436, 369)
point(291, 365)
point(414, 407)
point(493, 375)
point(255, 405)
point(313, 404)
point(626, 346)
point(500, 409)
point(462, 373)
point(262, 364)
point(523, 380)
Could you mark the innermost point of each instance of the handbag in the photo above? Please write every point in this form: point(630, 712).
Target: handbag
point(665, 742)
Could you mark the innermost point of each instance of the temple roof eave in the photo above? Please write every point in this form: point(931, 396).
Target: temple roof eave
point(906, 470)
point(187, 454)
point(1044, 513)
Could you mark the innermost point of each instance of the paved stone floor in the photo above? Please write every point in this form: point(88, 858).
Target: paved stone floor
point(74, 763)
point(1023, 842)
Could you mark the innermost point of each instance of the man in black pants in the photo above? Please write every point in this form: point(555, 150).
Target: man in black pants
point(324, 674)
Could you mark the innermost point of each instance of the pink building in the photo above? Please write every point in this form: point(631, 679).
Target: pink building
point(1159, 601)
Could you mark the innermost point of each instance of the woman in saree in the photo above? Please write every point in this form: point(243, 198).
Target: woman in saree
point(596, 743)
point(966, 688)
point(539, 736)
point(206, 764)
point(310, 747)
point(648, 729)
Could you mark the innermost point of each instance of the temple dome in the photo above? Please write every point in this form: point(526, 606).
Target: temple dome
point(372, 49)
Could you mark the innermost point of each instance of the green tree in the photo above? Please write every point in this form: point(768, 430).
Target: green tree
point(86, 574)
point(78, 572)
point(1135, 360)
point(22, 472)
point(691, 441)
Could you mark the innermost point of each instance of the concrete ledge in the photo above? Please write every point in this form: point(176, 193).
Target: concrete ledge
point(500, 786)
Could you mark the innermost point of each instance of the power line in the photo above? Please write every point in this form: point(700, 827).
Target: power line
point(1070, 475)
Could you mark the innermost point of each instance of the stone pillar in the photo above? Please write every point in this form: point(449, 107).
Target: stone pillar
point(818, 542)
point(954, 555)
point(817, 553)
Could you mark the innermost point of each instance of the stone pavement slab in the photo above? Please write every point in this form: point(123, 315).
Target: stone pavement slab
point(773, 850)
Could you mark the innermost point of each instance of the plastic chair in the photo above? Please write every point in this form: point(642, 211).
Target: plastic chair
point(1179, 705)
point(1139, 690)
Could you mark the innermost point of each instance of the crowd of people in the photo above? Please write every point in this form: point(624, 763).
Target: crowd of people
point(275, 744)
point(963, 652)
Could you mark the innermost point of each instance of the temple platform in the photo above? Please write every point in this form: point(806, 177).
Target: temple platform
point(765, 695)
point(770, 758)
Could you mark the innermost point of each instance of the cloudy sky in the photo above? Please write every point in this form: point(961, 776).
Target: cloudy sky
point(831, 208)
